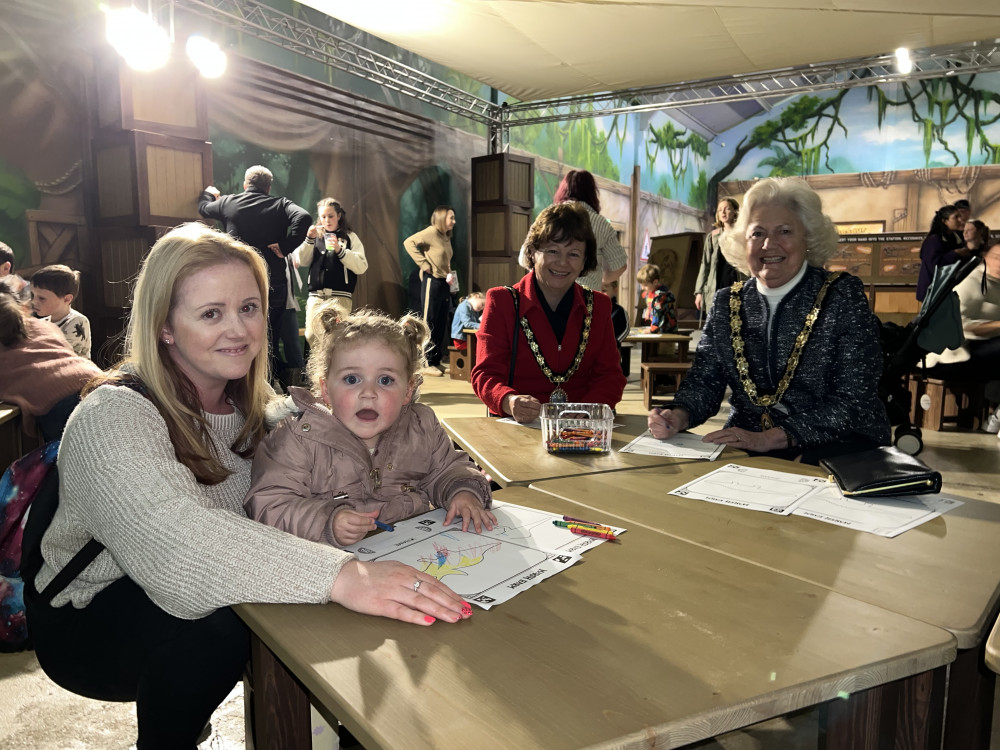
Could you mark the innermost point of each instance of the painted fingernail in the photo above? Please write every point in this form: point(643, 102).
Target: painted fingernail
point(466, 609)
point(430, 620)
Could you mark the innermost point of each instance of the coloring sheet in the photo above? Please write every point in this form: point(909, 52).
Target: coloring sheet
point(681, 445)
point(753, 489)
point(816, 498)
point(887, 516)
point(523, 549)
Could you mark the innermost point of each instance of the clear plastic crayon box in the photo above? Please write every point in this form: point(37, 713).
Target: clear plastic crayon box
point(577, 428)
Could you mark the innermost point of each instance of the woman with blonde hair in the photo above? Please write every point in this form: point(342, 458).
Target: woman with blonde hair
point(155, 470)
point(715, 272)
point(431, 250)
point(798, 346)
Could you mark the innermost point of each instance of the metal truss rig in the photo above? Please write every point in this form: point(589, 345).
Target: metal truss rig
point(966, 58)
point(295, 35)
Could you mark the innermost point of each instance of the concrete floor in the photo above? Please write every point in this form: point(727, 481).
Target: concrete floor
point(35, 714)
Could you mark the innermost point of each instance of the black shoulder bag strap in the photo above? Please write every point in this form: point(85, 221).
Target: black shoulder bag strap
point(513, 346)
point(89, 552)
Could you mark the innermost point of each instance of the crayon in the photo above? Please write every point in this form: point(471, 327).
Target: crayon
point(598, 533)
point(585, 523)
point(383, 526)
point(570, 524)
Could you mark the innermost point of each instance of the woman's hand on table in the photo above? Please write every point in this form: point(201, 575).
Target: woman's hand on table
point(523, 408)
point(747, 440)
point(665, 423)
point(470, 509)
point(393, 589)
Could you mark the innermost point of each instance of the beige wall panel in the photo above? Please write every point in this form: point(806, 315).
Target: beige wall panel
point(175, 181)
point(114, 181)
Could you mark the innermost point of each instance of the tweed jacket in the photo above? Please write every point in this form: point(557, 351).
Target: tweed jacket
point(833, 396)
point(300, 468)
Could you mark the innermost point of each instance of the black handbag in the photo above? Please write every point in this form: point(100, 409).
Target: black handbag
point(882, 472)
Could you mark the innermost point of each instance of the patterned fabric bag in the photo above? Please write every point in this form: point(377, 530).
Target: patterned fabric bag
point(18, 488)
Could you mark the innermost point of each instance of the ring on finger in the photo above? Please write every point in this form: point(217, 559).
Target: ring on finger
point(416, 585)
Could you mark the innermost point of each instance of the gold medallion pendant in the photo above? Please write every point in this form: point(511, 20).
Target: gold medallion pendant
point(559, 395)
point(768, 400)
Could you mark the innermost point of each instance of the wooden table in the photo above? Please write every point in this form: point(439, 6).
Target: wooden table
point(651, 344)
point(945, 572)
point(993, 648)
point(514, 455)
point(11, 445)
point(652, 642)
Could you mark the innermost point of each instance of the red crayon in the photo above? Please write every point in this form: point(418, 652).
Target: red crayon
point(591, 531)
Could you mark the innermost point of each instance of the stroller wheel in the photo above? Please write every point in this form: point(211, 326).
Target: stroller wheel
point(908, 440)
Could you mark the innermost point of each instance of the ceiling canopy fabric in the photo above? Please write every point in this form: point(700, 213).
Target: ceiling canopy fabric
point(540, 49)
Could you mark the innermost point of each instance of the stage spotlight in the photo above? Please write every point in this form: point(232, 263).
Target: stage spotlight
point(207, 56)
point(135, 36)
point(903, 62)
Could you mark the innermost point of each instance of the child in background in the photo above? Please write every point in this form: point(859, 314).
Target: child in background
point(467, 315)
point(53, 289)
point(359, 447)
point(659, 300)
point(619, 318)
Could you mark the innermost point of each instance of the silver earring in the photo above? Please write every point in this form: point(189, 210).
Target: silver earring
point(168, 342)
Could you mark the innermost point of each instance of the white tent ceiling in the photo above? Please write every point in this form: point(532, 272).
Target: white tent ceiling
point(534, 49)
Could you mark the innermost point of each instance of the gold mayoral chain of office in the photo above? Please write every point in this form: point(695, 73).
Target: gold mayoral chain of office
point(768, 400)
point(559, 396)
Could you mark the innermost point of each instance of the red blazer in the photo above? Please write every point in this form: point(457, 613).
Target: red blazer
point(599, 378)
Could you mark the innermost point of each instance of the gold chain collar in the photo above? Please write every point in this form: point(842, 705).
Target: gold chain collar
point(743, 367)
point(558, 379)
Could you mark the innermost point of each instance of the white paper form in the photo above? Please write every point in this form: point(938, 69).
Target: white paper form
point(523, 549)
point(754, 489)
point(887, 516)
point(535, 424)
point(681, 445)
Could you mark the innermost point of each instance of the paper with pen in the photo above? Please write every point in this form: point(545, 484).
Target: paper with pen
point(814, 497)
point(681, 445)
point(487, 569)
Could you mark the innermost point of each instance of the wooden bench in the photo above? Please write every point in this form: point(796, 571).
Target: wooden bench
point(947, 403)
point(675, 371)
point(459, 364)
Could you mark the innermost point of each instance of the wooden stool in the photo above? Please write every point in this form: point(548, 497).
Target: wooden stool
point(677, 371)
point(459, 364)
point(958, 403)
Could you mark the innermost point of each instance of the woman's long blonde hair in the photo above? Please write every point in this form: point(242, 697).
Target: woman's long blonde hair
point(181, 253)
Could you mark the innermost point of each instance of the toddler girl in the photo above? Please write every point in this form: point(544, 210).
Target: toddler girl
point(359, 447)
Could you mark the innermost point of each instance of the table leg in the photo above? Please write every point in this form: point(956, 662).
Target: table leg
point(280, 703)
point(969, 720)
point(904, 713)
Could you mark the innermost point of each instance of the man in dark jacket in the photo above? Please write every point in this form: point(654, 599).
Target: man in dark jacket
point(273, 226)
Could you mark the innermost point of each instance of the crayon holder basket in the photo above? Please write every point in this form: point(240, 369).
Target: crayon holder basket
point(577, 428)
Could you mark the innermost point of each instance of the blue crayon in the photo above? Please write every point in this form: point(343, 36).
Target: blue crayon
point(383, 526)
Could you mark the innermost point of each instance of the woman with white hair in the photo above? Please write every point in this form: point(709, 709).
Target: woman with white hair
point(798, 346)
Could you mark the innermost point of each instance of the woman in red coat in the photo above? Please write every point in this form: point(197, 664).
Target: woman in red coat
point(560, 346)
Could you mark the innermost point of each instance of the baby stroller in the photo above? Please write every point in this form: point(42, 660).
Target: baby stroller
point(937, 327)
